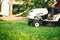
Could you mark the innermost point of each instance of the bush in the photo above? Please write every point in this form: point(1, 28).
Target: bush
point(31, 4)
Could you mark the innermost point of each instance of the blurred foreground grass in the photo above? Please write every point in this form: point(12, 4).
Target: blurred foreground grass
point(19, 30)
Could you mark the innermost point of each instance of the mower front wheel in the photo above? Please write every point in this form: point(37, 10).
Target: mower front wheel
point(36, 23)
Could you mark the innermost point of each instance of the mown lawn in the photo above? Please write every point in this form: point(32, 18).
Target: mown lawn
point(19, 30)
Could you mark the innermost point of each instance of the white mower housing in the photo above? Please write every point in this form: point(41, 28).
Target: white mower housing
point(37, 12)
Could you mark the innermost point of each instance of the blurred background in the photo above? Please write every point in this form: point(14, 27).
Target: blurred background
point(28, 5)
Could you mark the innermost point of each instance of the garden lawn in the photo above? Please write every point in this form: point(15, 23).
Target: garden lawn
point(19, 30)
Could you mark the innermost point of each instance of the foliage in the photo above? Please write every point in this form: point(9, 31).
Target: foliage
point(16, 30)
point(33, 4)
point(19, 8)
point(41, 3)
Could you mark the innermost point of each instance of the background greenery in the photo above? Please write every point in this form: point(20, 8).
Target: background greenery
point(31, 4)
point(19, 30)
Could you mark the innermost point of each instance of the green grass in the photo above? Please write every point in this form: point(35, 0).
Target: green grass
point(19, 30)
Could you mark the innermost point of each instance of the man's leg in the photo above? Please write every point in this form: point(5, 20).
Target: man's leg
point(52, 12)
point(57, 10)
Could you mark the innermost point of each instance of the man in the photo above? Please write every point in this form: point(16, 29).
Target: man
point(55, 7)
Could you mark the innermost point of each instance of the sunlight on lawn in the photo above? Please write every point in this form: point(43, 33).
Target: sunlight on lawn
point(16, 30)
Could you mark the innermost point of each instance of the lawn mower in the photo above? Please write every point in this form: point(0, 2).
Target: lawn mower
point(41, 16)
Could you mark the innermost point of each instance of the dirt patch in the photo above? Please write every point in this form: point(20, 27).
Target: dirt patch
point(14, 18)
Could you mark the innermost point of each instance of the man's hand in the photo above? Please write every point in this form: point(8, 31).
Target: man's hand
point(52, 6)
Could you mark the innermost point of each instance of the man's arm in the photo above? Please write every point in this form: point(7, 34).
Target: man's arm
point(53, 4)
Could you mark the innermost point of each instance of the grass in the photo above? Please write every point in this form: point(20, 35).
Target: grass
point(19, 30)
